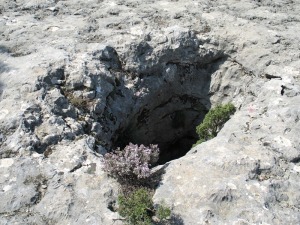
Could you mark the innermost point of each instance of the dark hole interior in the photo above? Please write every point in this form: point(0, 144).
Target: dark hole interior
point(173, 131)
point(169, 114)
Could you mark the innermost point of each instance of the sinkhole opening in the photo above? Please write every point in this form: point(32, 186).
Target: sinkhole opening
point(171, 125)
point(173, 131)
point(175, 103)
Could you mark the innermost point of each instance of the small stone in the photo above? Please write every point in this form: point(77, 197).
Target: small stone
point(52, 9)
point(155, 219)
point(90, 94)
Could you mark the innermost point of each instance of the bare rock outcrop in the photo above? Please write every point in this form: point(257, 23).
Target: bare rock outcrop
point(78, 79)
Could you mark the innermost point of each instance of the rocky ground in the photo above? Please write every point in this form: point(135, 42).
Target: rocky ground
point(79, 78)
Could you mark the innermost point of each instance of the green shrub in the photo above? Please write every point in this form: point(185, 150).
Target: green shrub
point(163, 212)
point(213, 122)
point(137, 207)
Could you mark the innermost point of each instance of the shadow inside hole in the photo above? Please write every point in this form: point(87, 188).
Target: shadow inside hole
point(174, 132)
point(171, 121)
point(177, 149)
point(171, 124)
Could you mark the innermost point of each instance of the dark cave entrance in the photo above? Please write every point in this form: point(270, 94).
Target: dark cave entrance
point(169, 115)
point(171, 125)
point(175, 133)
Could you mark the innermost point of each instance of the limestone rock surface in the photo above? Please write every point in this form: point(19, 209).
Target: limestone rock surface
point(80, 78)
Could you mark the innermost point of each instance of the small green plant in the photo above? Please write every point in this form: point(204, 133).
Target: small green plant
point(163, 212)
point(137, 207)
point(213, 122)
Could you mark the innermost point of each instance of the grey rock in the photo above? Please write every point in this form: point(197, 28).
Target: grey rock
point(78, 79)
point(90, 94)
point(35, 192)
point(58, 104)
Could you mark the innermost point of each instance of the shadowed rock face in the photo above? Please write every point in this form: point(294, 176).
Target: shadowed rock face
point(82, 78)
point(171, 109)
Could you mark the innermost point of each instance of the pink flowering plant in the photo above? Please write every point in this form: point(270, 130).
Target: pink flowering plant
point(131, 167)
point(131, 164)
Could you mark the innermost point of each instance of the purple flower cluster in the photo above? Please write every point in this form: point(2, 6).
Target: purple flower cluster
point(132, 162)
